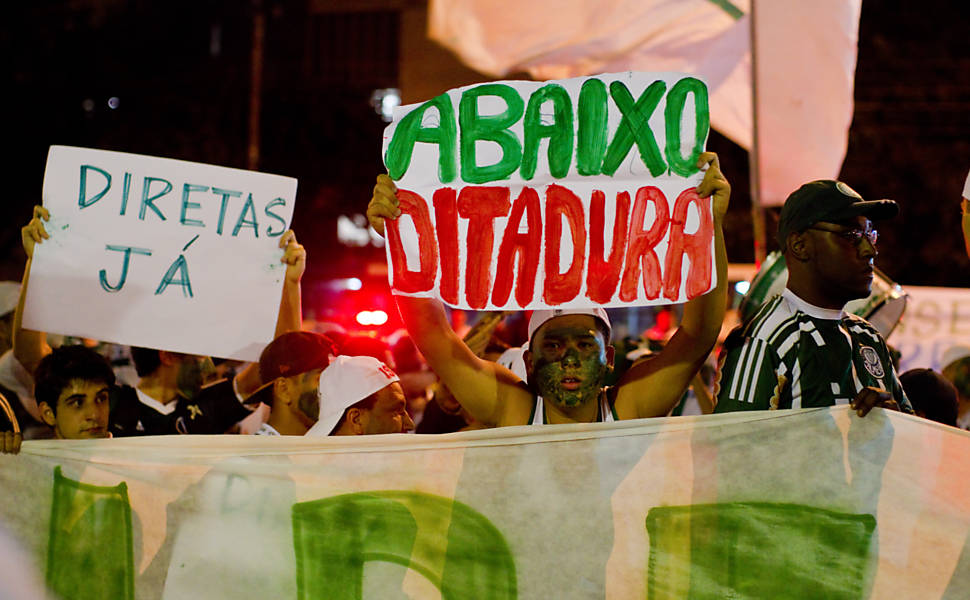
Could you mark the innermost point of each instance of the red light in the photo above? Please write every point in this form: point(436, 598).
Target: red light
point(372, 317)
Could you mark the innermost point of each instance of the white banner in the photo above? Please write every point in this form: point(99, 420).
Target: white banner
point(794, 504)
point(804, 111)
point(160, 253)
point(936, 319)
point(570, 193)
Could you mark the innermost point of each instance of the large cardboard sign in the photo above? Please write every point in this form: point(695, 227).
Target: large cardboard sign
point(570, 193)
point(160, 253)
point(936, 319)
point(769, 504)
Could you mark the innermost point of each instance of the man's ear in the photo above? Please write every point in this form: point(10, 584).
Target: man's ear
point(610, 354)
point(281, 390)
point(527, 359)
point(46, 413)
point(798, 246)
point(355, 417)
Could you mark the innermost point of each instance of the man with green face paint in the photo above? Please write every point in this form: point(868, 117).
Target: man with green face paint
point(569, 353)
point(568, 359)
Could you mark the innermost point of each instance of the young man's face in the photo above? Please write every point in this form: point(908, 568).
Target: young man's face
point(389, 414)
point(568, 360)
point(843, 266)
point(82, 411)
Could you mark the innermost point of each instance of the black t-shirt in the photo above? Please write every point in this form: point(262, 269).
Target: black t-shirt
point(213, 411)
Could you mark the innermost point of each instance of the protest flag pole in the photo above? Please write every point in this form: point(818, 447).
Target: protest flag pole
point(754, 163)
point(256, 84)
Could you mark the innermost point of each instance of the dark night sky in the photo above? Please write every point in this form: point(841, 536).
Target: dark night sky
point(180, 70)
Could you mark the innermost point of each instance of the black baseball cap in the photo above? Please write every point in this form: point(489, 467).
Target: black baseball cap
point(290, 354)
point(828, 200)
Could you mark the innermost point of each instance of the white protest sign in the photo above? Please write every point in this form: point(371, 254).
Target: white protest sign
point(936, 318)
point(569, 193)
point(160, 253)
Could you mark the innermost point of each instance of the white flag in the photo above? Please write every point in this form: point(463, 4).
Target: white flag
point(806, 54)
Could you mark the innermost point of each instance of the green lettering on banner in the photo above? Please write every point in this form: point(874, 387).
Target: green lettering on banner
point(181, 268)
point(269, 228)
point(492, 128)
point(635, 127)
point(674, 112)
point(248, 209)
point(411, 129)
point(560, 132)
point(226, 194)
point(334, 538)
point(82, 199)
point(188, 188)
point(128, 250)
point(148, 200)
point(758, 550)
point(591, 137)
point(89, 550)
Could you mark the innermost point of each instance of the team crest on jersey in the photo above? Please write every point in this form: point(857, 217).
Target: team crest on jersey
point(870, 358)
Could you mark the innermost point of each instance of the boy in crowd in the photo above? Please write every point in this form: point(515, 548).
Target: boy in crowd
point(72, 388)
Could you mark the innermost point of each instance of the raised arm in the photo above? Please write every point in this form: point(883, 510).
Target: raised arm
point(487, 390)
point(290, 316)
point(652, 387)
point(29, 347)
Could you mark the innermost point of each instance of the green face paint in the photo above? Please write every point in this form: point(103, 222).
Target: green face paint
point(569, 361)
point(308, 402)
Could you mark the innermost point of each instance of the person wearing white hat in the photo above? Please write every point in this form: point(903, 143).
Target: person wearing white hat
point(360, 395)
point(569, 350)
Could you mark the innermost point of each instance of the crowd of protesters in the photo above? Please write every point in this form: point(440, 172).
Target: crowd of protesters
point(800, 350)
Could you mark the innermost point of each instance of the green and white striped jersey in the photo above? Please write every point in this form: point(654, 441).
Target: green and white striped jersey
point(796, 355)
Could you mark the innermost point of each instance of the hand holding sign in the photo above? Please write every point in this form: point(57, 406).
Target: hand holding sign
point(571, 193)
point(34, 232)
point(869, 398)
point(383, 204)
point(294, 257)
point(714, 184)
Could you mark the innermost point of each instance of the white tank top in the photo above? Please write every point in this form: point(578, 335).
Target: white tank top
point(606, 414)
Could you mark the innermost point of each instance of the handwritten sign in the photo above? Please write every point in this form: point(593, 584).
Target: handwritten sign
point(160, 253)
point(569, 193)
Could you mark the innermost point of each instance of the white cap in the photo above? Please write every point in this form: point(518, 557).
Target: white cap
point(513, 359)
point(345, 382)
point(539, 317)
point(9, 295)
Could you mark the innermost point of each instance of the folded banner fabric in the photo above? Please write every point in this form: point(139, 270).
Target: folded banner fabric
point(795, 504)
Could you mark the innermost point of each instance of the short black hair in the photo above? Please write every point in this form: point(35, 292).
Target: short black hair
point(367, 403)
point(931, 395)
point(65, 364)
point(147, 360)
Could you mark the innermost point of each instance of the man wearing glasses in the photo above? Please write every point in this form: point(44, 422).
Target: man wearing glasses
point(801, 349)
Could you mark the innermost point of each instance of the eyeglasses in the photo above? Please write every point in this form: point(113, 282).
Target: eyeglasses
point(853, 235)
